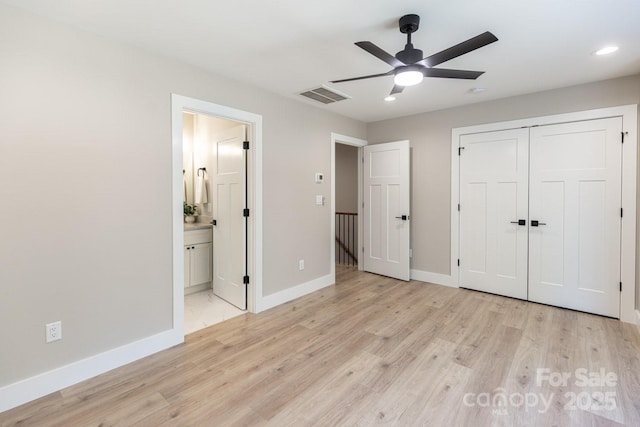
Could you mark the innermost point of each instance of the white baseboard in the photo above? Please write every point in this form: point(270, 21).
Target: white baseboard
point(26, 390)
point(29, 389)
point(435, 278)
point(289, 294)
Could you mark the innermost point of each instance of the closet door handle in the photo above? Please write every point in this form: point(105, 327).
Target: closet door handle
point(536, 223)
point(520, 222)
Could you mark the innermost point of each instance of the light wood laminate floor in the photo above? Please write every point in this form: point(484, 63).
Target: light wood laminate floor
point(370, 351)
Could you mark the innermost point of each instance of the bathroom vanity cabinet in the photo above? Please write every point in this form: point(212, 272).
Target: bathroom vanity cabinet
point(198, 258)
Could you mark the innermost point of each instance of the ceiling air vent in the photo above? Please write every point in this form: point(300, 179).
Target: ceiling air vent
point(324, 95)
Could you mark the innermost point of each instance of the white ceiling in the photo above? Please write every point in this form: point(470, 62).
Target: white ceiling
point(287, 46)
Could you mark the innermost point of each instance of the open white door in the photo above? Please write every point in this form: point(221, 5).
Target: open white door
point(575, 201)
point(229, 237)
point(493, 212)
point(387, 209)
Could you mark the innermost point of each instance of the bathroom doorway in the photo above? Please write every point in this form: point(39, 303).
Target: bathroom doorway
point(217, 261)
point(214, 164)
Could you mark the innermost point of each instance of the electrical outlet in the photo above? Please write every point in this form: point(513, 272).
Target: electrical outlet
point(54, 331)
point(301, 264)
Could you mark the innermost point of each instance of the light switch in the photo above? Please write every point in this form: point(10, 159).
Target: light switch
point(319, 200)
point(319, 178)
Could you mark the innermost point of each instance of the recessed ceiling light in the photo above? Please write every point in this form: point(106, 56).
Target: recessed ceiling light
point(390, 98)
point(477, 89)
point(606, 50)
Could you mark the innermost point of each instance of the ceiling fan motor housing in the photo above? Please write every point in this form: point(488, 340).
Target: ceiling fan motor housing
point(409, 55)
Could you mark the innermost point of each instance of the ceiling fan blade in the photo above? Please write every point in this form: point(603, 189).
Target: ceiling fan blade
point(363, 77)
point(452, 74)
point(396, 89)
point(460, 49)
point(380, 54)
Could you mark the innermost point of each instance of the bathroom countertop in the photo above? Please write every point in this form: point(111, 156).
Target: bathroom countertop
point(197, 226)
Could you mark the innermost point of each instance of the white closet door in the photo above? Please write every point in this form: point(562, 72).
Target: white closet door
point(493, 197)
point(575, 194)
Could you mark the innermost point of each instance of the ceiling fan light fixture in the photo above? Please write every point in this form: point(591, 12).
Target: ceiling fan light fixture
point(408, 78)
point(410, 68)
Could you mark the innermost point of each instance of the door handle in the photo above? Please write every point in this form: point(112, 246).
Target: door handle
point(214, 222)
point(403, 217)
point(520, 222)
point(536, 223)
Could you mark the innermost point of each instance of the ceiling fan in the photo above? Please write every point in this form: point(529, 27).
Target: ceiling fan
point(409, 67)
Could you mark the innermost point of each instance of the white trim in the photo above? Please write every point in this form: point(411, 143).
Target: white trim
point(638, 320)
point(629, 114)
point(336, 138)
point(298, 291)
point(177, 228)
point(455, 215)
point(179, 104)
point(29, 389)
point(435, 278)
point(629, 205)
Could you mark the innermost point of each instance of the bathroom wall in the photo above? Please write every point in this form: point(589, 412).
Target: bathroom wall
point(187, 155)
point(205, 130)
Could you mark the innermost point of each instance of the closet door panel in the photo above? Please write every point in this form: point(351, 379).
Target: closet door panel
point(575, 194)
point(493, 197)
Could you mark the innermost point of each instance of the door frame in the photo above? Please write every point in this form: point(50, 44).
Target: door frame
point(629, 114)
point(180, 104)
point(337, 138)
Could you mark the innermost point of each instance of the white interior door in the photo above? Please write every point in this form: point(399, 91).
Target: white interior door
point(493, 212)
point(386, 209)
point(228, 203)
point(575, 194)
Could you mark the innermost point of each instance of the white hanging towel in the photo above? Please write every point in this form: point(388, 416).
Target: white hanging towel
point(184, 185)
point(201, 190)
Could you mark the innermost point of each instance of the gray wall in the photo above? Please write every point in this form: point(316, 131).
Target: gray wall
point(346, 178)
point(430, 136)
point(85, 184)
